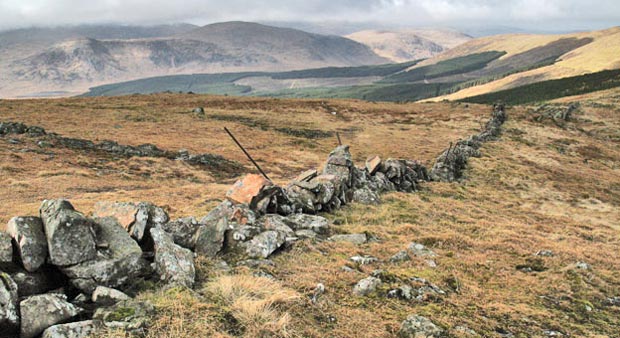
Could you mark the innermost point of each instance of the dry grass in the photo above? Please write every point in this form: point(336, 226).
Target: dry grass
point(541, 187)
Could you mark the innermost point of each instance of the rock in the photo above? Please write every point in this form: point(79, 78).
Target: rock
point(613, 301)
point(307, 175)
point(6, 250)
point(304, 234)
point(115, 266)
point(174, 264)
point(27, 232)
point(137, 219)
point(372, 164)
point(209, 238)
point(104, 296)
point(183, 231)
point(82, 329)
point(264, 244)
point(400, 256)
point(69, 234)
point(364, 260)
point(318, 291)
point(419, 327)
point(545, 253)
point(43, 280)
point(366, 196)
point(420, 250)
point(253, 190)
point(42, 311)
point(128, 315)
point(350, 238)
point(366, 286)
point(583, 266)
point(405, 292)
point(199, 110)
point(318, 224)
point(9, 313)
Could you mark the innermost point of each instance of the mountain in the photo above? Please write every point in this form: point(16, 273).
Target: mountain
point(65, 61)
point(406, 45)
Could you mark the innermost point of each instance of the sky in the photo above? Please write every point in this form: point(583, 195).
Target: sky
point(533, 15)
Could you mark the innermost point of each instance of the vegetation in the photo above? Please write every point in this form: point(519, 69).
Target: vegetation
point(332, 72)
point(552, 89)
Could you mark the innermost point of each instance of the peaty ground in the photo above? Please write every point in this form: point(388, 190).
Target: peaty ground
point(542, 186)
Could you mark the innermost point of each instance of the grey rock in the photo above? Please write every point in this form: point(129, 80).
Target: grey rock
point(183, 231)
point(400, 256)
point(420, 250)
point(318, 224)
point(583, 266)
point(82, 329)
point(27, 232)
point(43, 280)
point(419, 327)
point(303, 234)
point(199, 110)
point(613, 301)
point(9, 313)
point(364, 260)
point(350, 238)
point(115, 266)
point(174, 264)
point(129, 315)
point(137, 219)
point(42, 311)
point(405, 292)
point(70, 238)
point(6, 250)
point(545, 253)
point(366, 196)
point(104, 296)
point(264, 244)
point(209, 238)
point(366, 286)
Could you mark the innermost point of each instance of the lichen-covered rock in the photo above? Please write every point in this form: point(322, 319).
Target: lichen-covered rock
point(137, 219)
point(350, 238)
point(264, 244)
point(104, 296)
point(129, 315)
point(118, 262)
point(174, 264)
point(318, 224)
point(82, 329)
point(6, 250)
point(400, 256)
point(27, 232)
point(366, 286)
point(183, 231)
point(419, 327)
point(366, 196)
point(420, 250)
point(209, 238)
point(70, 238)
point(43, 280)
point(9, 313)
point(42, 311)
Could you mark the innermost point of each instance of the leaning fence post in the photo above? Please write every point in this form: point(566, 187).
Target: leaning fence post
point(247, 154)
point(339, 140)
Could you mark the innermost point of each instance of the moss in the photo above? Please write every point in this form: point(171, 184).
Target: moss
point(120, 314)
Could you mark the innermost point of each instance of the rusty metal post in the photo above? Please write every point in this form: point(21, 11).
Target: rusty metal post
point(247, 154)
point(339, 140)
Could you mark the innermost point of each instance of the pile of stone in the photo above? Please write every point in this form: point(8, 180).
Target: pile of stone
point(450, 165)
point(557, 113)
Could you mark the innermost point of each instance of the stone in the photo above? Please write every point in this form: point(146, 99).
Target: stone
point(82, 329)
point(42, 311)
point(305, 234)
point(419, 327)
point(420, 250)
point(104, 296)
point(250, 190)
point(43, 280)
point(183, 231)
point(115, 266)
point(366, 286)
point(318, 224)
point(199, 110)
point(137, 219)
point(545, 253)
point(306, 176)
point(6, 250)
point(364, 260)
point(404, 292)
point(366, 196)
point(264, 244)
point(583, 266)
point(174, 264)
point(27, 232)
point(209, 238)
point(9, 311)
point(128, 315)
point(350, 238)
point(318, 291)
point(372, 164)
point(70, 238)
point(400, 256)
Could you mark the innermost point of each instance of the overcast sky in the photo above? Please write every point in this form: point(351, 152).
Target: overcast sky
point(552, 15)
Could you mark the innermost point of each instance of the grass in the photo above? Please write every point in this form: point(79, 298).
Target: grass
point(521, 196)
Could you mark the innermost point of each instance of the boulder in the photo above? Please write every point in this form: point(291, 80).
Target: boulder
point(253, 190)
point(6, 250)
point(174, 264)
point(366, 286)
point(137, 219)
point(306, 176)
point(366, 196)
point(9, 313)
point(400, 256)
point(33, 283)
point(128, 315)
point(420, 250)
point(42, 311)
point(183, 231)
point(318, 224)
point(104, 296)
point(82, 329)
point(264, 244)
point(419, 327)
point(209, 238)
point(364, 260)
point(27, 232)
point(116, 265)
point(277, 223)
point(373, 164)
point(69, 234)
point(350, 238)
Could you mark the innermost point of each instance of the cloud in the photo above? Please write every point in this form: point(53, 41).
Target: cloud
point(538, 14)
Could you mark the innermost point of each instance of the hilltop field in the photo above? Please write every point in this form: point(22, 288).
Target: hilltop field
point(527, 244)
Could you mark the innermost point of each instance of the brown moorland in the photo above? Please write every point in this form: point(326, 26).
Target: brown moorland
point(542, 186)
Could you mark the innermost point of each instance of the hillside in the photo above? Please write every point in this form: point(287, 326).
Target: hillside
point(526, 245)
point(407, 45)
point(61, 62)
